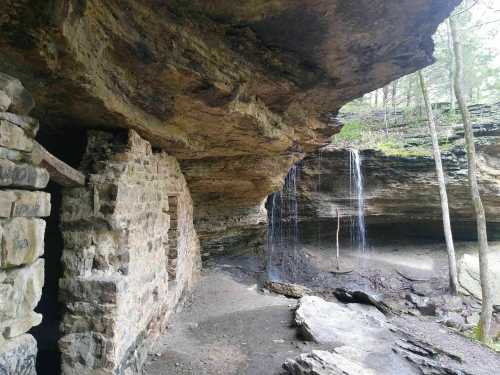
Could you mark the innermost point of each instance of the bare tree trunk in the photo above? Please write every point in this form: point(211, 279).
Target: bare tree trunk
point(338, 231)
point(394, 96)
point(376, 98)
point(408, 93)
point(451, 72)
point(452, 262)
point(487, 301)
point(385, 91)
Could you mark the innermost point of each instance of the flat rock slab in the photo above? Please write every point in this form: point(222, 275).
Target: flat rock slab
point(468, 275)
point(320, 362)
point(358, 340)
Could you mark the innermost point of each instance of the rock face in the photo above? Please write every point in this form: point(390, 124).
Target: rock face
point(401, 192)
point(236, 91)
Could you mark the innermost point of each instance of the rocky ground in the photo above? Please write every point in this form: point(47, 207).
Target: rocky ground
point(232, 325)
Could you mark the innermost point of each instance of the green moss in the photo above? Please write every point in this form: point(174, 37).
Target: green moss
point(351, 132)
point(475, 334)
point(392, 149)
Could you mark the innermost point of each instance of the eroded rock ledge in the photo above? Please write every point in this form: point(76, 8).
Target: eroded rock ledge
point(401, 191)
point(236, 91)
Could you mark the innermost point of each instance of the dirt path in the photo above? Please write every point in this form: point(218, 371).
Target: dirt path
point(228, 328)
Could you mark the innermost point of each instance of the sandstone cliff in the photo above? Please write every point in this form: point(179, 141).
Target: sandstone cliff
point(236, 91)
point(401, 192)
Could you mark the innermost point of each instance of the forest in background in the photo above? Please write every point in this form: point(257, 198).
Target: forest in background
point(479, 30)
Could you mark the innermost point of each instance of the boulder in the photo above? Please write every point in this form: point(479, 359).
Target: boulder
point(11, 89)
point(321, 362)
point(468, 275)
point(338, 324)
point(423, 304)
point(287, 289)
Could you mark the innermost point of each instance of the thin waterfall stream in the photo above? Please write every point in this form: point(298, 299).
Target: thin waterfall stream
point(357, 198)
point(283, 230)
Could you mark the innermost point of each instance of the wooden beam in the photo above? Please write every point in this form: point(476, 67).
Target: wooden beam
point(59, 171)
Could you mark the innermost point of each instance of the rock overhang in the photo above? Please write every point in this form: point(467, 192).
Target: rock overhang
point(237, 91)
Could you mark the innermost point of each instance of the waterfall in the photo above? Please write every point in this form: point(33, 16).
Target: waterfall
point(320, 159)
point(357, 198)
point(283, 229)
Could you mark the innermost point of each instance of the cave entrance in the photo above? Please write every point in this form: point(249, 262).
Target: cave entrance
point(69, 153)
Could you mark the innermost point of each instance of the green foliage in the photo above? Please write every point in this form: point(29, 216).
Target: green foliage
point(393, 148)
point(475, 334)
point(352, 132)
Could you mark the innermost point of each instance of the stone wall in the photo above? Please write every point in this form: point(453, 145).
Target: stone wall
point(116, 285)
point(21, 231)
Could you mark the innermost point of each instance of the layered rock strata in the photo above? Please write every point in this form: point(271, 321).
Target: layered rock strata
point(401, 192)
point(118, 287)
point(236, 91)
point(22, 230)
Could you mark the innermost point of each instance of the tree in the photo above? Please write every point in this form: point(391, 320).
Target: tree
point(450, 70)
point(452, 263)
point(487, 297)
point(385, 92)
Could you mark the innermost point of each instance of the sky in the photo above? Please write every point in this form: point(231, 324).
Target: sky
point(486, 16)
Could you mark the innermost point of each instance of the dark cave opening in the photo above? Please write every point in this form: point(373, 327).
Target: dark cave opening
point(69, 149)
point(47, 333)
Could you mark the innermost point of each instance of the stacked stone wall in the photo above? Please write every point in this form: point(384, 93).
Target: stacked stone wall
point(22, 232)
point(116, 254)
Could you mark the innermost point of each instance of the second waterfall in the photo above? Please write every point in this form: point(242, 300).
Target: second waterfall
point(357, 199)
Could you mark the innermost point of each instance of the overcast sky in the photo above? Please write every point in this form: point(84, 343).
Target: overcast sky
point(486, 15)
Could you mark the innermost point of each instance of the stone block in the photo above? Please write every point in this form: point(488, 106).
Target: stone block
point(18, 356)
point(13, 137)
point(20, 290)
point(12, 155)
point(96, 289)
point(22, 203)
point(21, 100)
point(16, 327)
point(22, 241)
point(28, 124)
point(22, 175)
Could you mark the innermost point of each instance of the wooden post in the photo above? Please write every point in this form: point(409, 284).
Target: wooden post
point(338, 231)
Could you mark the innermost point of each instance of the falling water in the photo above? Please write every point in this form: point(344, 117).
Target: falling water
point(358, 228)
point(320, 159)
point(283, 229)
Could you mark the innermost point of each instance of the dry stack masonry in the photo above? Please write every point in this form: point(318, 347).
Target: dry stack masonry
point(130, 247)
